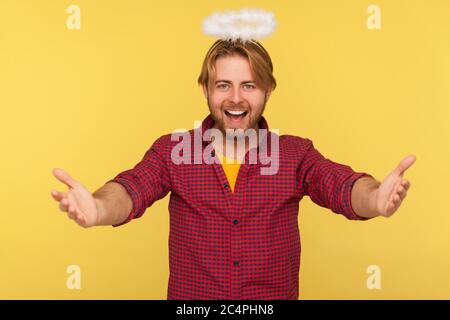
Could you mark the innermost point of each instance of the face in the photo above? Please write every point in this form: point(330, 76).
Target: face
point(234, 100)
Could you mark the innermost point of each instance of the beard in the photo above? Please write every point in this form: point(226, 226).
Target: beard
point(219, 121)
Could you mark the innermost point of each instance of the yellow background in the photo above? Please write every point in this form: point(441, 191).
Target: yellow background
point(93, 100)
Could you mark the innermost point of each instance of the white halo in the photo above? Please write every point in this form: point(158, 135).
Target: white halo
point(246, 24)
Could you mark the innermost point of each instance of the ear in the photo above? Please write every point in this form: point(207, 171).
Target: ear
point(268, 93)
point(205, 91)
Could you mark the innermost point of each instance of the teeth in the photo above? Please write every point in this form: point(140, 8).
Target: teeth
point(235, 113)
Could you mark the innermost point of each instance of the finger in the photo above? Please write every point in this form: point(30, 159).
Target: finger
point(406, 184)
point(396, 199)
point(401, 189)
point(401, 192)
point(76, 213)
point(73, 202)
point(64, 177)
point(81, 220)
point(71, 213)
point(403, 195)
point(405, 164)
point(390, 209)
point(65, 202)
point(58, 196)
point(393, 203)
point(394, 206)
point(63, 205)
point(73, 207)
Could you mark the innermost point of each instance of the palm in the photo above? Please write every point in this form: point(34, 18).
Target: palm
point(393, 189)
point(84, 203)
point(78, 202)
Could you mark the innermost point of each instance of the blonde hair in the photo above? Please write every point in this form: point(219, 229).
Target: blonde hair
point(258, 58)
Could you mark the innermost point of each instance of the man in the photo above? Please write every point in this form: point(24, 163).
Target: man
point(234, 230)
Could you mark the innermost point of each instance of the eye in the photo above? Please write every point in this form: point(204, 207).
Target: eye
point(249, 86)
point(222, 86)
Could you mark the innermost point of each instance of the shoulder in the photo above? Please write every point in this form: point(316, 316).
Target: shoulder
point(162, 145)
point(294, 145)
point(167, 142)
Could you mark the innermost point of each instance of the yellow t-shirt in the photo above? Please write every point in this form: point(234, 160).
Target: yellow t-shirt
point(231, 169)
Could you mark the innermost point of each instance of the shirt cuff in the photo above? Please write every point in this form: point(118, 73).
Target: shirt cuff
point(347, 196)
point(132, 191)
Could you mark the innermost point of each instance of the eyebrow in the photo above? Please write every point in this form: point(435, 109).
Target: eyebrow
point(229, 82)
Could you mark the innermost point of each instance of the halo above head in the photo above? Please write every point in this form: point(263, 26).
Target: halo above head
point(246, 24)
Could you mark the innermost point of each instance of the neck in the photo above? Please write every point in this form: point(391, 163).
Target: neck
point(235, 147)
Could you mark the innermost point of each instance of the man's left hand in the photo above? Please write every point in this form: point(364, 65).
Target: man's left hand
point(392, 191)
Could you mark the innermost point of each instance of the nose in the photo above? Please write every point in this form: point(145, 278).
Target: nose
point(236, 95)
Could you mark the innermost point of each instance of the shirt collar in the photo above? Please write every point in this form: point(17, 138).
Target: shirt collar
point(209, 122)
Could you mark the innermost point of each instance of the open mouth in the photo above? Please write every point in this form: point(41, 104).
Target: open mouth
point(236, 115)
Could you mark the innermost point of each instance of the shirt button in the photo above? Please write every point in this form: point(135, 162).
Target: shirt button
point(236, 263)
point(225, 186)
point(236, 221)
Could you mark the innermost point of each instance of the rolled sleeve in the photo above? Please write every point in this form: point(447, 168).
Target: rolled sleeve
point(136, 198)
point(147, 182)
point(329, 184)
point(346, 196)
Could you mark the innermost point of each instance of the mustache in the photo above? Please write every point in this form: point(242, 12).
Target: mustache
point(241, 105)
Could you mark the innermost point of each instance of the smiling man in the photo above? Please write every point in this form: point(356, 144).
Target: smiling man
point(236, 95)
point(234, 231)
point(235, 100)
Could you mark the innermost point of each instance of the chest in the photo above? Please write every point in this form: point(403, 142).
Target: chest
point(207, 186)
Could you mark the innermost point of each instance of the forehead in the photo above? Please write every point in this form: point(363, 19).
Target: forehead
point(233, 67)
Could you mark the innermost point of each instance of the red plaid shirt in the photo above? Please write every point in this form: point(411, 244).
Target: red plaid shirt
point(243, 244)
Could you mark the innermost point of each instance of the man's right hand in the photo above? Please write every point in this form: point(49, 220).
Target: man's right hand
point(78, 202)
